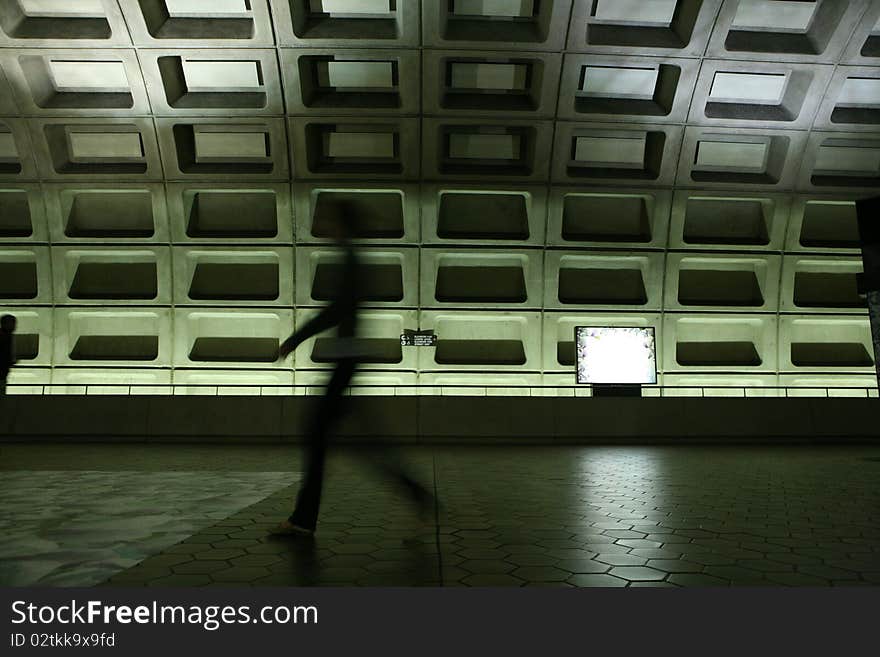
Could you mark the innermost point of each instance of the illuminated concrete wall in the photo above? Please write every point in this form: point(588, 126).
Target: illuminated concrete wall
point(519, 168)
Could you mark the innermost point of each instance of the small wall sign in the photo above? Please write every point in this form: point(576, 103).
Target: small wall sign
point(410, 338)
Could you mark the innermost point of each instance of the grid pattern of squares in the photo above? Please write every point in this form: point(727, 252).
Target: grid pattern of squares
point(519, 167)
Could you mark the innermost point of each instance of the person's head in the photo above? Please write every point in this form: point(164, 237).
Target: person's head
point(8, 323)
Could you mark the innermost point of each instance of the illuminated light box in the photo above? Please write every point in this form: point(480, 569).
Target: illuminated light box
point(615, 355)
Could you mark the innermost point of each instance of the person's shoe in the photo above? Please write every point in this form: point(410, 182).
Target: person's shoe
point(287, 528)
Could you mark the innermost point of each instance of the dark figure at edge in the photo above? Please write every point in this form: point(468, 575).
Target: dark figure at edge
point(7, 349)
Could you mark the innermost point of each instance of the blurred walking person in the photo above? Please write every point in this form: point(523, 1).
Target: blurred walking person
point(342, 313)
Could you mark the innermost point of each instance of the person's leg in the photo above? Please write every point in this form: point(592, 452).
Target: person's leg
point(386, 462)
point(382, 457)
point(328, 410)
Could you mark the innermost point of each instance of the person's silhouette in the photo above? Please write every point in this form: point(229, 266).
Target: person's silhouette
point(342, 313)
point(7, 349)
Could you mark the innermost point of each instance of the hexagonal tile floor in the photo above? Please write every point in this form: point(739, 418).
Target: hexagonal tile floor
point(529, 516)
point(78, 528)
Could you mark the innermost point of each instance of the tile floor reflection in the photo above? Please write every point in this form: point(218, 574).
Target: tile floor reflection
point(509, 516)
point(77, 528)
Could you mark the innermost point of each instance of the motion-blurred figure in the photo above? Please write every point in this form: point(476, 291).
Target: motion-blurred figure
point(342, 313)
point(7, 349)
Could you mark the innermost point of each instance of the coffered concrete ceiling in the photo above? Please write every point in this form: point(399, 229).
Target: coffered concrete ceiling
point(519, 166)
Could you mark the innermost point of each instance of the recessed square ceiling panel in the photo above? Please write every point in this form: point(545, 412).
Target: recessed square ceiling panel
point(653, 12)
point(74, 76)
point(860, 92)
point(48, 8)
point(214, 8)
point(202, 75)
point(466, 75)
point(611, 151)
point(371, 7)
point(484, 147)
point(356, 75)
point(839, 156)
point(499, 8)
point(369, 145)
point(211, 145)
point(105, 145)
point(753, 89)
point(732, 155)
point(774, 15)
point(788, 30)
point(614, 82)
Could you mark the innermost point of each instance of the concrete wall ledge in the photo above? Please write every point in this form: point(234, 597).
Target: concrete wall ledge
point(428, 420)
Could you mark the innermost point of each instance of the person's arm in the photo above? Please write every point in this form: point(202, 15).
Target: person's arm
point(329, 317)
